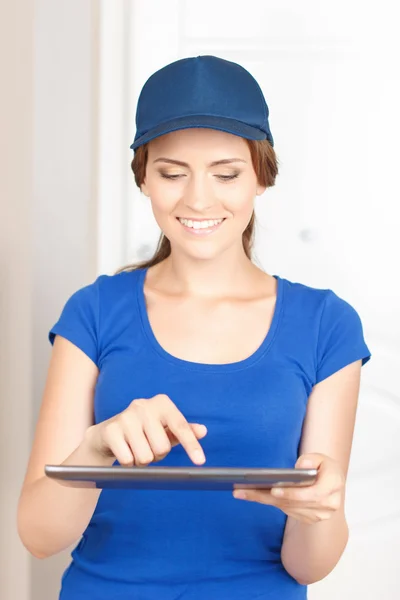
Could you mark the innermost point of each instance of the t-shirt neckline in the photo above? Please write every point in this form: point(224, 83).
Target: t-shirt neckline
point(210, 367)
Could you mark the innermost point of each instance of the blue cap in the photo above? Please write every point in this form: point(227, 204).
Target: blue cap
point(203, 91)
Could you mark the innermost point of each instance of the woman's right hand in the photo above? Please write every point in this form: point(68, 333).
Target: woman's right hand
point(145, 432)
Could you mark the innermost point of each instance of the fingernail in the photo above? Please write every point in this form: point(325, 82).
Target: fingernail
point(277, 492)
point(306, 464)
point(198, 456)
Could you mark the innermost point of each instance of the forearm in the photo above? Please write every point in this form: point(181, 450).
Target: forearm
point(51, 516)
point(310, 552)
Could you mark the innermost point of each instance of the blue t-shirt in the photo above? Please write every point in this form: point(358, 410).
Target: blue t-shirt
point(191, 545)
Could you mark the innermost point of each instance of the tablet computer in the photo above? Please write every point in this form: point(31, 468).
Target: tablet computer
point(179, 478)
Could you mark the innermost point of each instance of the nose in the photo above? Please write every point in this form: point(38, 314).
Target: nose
point(197, 195)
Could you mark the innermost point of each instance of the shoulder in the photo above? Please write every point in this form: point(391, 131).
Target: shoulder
point(327, 322)
point(118, 284)
point(99, 300)
point(106, 288)
point(318, 301)
point(97, 311)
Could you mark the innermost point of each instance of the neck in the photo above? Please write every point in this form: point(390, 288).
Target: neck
point(218, 277)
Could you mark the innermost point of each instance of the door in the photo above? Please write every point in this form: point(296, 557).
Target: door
point(328, 72)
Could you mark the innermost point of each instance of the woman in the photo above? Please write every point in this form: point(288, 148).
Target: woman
point(198, 355)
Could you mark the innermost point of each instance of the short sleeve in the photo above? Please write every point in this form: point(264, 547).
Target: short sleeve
point(79, 320)
point(340, 339)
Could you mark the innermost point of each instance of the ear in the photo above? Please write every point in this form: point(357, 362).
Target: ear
point(144, 189)
point(261, 189)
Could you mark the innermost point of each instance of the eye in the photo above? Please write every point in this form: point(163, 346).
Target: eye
point(177, 176)
point(228, 177)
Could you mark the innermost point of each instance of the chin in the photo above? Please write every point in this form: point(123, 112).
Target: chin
point(204, 256)
point(206, 252)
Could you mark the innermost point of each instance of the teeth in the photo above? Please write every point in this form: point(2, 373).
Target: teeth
point(200, 224)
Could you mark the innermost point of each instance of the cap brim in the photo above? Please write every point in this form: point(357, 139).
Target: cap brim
point(204, 121)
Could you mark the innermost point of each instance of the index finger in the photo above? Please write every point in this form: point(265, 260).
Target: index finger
point(178, 425)
point(297, 494)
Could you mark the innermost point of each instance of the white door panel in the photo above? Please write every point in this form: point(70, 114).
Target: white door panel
point(330, 77)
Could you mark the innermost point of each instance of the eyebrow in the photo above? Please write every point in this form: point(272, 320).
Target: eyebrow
point(224, 161)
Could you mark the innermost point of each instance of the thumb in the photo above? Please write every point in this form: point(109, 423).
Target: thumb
point(309, 461)
point(199, 430)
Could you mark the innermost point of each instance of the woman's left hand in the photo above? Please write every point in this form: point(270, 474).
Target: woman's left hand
point(310, 504)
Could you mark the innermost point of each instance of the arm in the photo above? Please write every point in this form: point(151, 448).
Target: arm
point(310, 552)
point(51, 516)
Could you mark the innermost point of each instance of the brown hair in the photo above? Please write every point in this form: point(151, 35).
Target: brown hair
point(265, 164)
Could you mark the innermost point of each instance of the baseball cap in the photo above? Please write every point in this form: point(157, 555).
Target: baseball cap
point(202, 91)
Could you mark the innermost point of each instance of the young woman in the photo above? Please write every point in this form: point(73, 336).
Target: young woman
point(198, 355)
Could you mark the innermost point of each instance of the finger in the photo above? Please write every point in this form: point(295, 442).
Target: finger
point(157, 438)
point(115, 444)
point(271, 497)
point(185, 435)
point(310, 461)
point(138, 443)
point(122, 452)
point(199, 431)
point(253, 495)
point(309, 494)
point(305, 515)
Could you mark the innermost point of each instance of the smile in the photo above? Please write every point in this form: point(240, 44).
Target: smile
point(201, 226)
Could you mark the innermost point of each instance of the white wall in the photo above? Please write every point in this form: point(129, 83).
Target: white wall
point(329, 72)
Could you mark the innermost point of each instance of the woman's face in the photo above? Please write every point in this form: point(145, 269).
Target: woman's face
point(202, 185)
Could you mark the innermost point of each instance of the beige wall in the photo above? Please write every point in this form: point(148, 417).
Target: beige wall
point(16, 119)
point(47, 232)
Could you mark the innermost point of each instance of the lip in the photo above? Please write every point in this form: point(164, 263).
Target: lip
point(200, 232)
point(203, 219)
